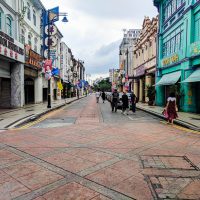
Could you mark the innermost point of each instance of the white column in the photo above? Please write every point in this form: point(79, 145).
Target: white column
point(17, 85)
point(141, 90)
point(38, 89)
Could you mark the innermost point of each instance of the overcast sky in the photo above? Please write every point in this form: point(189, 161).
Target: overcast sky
point(94, 30)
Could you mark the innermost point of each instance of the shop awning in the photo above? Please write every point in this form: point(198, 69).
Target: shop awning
point(194, 77)
point(169, 79)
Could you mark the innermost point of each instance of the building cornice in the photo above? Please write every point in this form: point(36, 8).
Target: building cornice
point(8, 7)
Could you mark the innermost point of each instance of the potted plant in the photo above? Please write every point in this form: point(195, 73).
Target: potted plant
point(150, 94)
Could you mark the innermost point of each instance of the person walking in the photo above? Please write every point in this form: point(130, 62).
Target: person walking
point(133, 102)
point(98, 94)
point(171, 108)
point(103, 95)
point(125, 103)
point(115, 98)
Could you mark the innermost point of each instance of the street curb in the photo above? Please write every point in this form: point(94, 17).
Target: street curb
point(176, 121)
point(31, 118)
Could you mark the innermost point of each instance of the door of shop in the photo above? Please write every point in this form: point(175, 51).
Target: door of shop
point(45, 94)
point(29, 90)
point(5, 92)
point(197, 88)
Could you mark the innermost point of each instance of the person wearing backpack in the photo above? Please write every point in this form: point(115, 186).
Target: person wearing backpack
point(115, 99)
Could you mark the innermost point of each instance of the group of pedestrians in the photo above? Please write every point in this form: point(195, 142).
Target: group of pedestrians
point(100, 94)
point(115, 100)
point(126, 105)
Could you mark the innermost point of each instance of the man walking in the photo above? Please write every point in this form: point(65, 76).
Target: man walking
point(125, 103)
point(115, 97)
point(133, 101)
point(103, 95)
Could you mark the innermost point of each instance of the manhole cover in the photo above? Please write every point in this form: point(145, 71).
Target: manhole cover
point(167, 162)
point(168, 187)
point(29, 110)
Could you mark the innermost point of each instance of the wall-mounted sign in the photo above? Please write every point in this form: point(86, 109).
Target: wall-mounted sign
point(32, 58)
point(11, 48)
point(170, 60)
point(195, 48)
point(139, 71)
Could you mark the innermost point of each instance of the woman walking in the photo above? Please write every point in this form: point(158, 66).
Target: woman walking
point(171, 108)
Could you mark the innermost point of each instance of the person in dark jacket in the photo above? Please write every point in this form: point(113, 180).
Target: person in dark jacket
point(133, 101)
point(103, 96)
point(115, 99)
point(125, 103)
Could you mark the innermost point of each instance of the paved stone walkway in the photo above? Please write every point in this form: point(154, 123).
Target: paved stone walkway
point(92, 159)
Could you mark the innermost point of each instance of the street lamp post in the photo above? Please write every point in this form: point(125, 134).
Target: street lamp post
point(49, 23)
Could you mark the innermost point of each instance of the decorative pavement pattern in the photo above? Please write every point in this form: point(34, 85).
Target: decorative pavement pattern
point(83, 156)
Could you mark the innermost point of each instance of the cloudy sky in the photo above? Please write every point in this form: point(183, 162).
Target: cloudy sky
point(94, 30)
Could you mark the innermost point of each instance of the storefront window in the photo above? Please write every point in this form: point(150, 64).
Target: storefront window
point(9, 26)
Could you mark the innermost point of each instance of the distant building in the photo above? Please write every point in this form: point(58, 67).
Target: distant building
point(145, 58)
point(126, 49)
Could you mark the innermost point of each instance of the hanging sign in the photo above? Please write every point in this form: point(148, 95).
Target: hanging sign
point(51, 41)
point(52, 30)
point(48, 65)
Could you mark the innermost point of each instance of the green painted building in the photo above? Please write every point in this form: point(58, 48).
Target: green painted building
point(178, 62)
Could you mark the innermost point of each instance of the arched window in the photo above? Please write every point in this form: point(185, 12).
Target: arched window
point(28, 11)
point(9, 26)
point(35, 44)
point(29, 40)
point(34, 17)
point(22, 37)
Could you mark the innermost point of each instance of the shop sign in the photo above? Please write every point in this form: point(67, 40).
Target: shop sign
point(11, 48)
point(33, 58)
point(140, 71)
point(170, 60)
point(195, 48)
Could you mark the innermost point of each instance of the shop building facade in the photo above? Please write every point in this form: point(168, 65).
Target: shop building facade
point(11, 57)
point(144, 64)
point(178, 67)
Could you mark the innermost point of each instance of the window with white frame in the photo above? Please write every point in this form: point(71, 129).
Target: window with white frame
point(170, 7)
point(9, 25)
point(28, 11)
point(29, 39)
point(35, 44)
point(34, 17)
point(22, 37)
point(1, 18)
point(173, 42)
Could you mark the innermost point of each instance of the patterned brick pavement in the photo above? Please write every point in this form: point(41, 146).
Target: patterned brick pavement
point(89, 156)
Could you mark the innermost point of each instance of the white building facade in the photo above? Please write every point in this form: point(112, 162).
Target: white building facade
point(11, 56)
point(30, 36)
